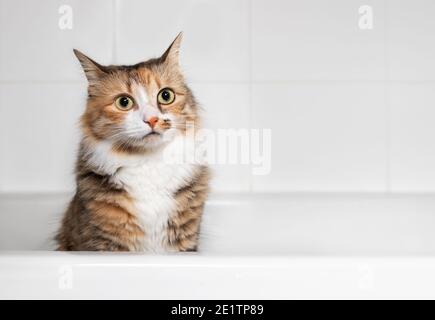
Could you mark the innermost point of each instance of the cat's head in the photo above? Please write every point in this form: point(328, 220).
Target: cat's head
point(137, 107)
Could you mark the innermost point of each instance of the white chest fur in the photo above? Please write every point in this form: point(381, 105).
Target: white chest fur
point(152, 186)
point(151, 181)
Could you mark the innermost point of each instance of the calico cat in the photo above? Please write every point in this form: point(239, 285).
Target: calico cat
point(127, 197)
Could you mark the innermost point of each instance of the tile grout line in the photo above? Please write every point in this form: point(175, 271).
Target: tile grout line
point(114, 31)
point(250, 84)
point(386, 102)
point(41, 82)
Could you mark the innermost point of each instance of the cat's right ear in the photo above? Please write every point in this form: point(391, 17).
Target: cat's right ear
point(92, 69)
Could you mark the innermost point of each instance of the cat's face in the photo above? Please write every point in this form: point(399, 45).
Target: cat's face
point(137, 107)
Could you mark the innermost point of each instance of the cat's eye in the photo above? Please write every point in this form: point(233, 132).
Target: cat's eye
point(166, 96)
point(124, 103)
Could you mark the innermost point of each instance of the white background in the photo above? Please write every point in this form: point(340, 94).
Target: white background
point(350, 110)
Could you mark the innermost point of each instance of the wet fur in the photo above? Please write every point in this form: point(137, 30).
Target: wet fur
point(127, 198)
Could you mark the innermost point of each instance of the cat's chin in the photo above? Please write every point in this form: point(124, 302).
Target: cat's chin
point(154, 140)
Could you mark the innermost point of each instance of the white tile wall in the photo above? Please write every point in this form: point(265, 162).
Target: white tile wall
point(216, 42)
point(411, 94)
point(412, 137)
point(38, 124)
point(33, 47)
point(410, 45)
point(316, 40)
point(325, 137)
point(350, 110)
point(226, 106)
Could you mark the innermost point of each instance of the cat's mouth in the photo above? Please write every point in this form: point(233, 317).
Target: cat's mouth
point(151, 134)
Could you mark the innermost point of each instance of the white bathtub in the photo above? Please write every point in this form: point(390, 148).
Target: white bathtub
point(252, 247)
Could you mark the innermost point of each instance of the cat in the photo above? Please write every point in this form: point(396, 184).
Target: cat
point(128, 198)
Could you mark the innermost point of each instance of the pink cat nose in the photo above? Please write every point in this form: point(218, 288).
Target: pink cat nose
point(152, 122)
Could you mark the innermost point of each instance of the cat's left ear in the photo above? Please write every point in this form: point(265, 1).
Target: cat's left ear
point(171, 55)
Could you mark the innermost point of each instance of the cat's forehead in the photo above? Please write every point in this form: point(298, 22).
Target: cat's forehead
point(150, 76)
point(139, 74)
